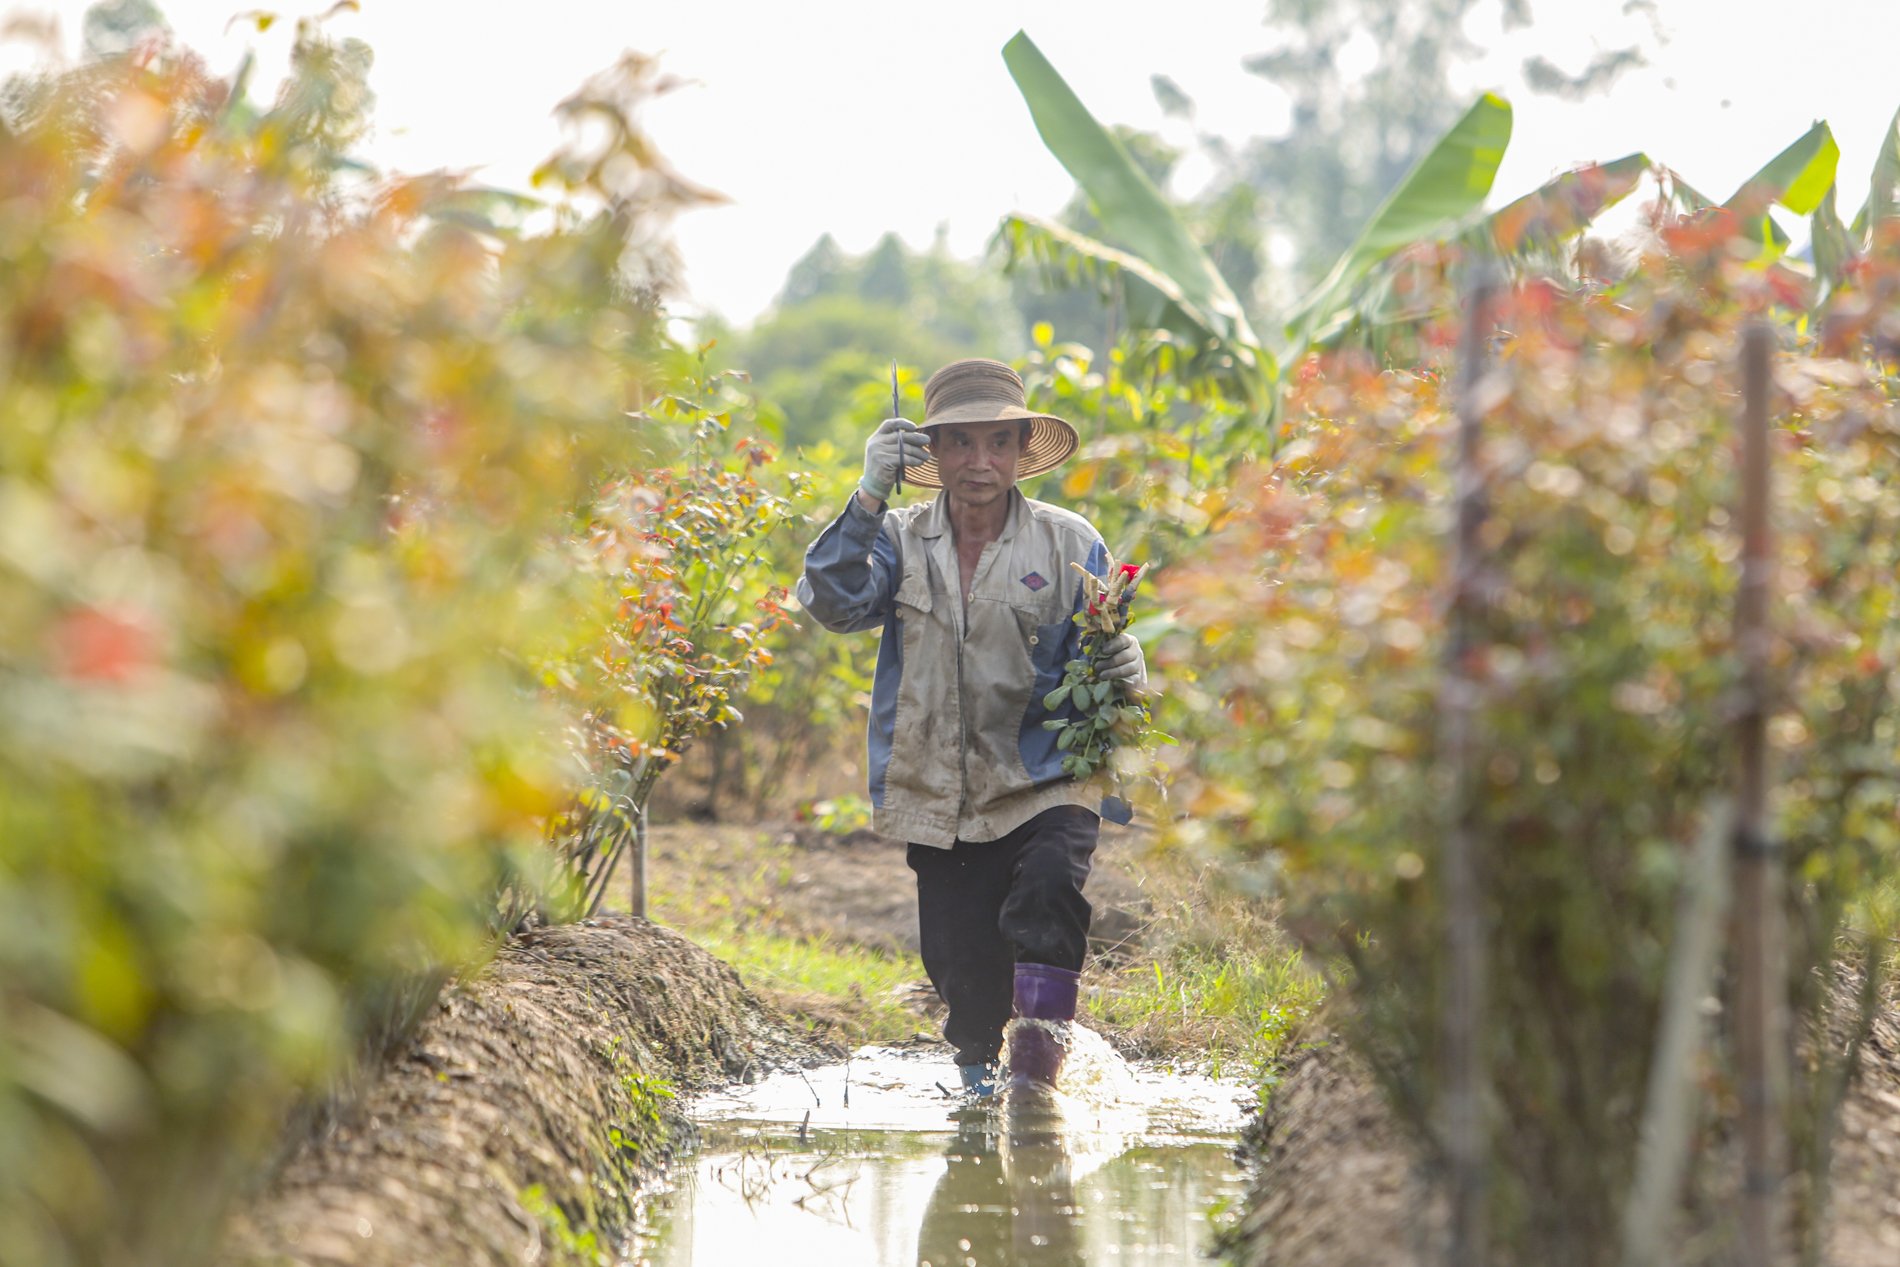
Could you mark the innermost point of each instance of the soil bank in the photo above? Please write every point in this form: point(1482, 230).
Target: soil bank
point(1340, 1184)
point(531, 1107)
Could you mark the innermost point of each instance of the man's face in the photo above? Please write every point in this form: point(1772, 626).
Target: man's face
point(977, 460)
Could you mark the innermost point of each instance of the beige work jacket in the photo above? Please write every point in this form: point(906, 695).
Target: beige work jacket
point(956, 742)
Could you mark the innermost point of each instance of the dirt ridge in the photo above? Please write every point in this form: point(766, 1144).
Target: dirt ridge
point(1339, 1182)
point(528, 1112)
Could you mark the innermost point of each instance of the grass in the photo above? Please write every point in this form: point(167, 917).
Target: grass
point(1250, 1008)
point(852, 993)
point(734, 891)
point(1215, 981)
point(570, 1244)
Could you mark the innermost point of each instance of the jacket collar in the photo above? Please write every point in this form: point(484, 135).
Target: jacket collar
point(935, 521)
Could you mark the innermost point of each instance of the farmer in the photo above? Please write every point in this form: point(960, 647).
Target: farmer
point(975, 595)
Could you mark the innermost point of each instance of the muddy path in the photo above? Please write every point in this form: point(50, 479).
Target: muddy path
point(1336, 1180)
point(530, 1110)
point(852, 889)
point(856, 887)
point(1128, 1163)
point(541, 1100)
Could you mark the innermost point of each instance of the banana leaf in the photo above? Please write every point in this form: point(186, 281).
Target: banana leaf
point(1564, 207)
point(1882, 199)
point(1798, 178)
point(1151, 299)
point(1131, 209)
point(1688, 195)
point(1834, 246)
point(1442, 189)
point(1541, 220)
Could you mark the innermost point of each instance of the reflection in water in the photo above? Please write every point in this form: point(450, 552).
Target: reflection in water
point(1039, 1180)
point(1007, 1194)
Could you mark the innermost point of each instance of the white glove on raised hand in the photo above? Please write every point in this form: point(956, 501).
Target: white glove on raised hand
point(897, 442)
point(1124, 661)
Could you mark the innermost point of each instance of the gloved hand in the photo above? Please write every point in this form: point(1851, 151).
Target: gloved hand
point(897, 441)
point(1124, 661)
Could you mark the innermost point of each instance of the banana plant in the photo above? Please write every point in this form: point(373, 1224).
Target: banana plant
point(1169, 283)
point(1168, 280)
point(1563, 207)
point(1837, 245)
point(1441, 191)
point(1527, 234)
point(1798, 178)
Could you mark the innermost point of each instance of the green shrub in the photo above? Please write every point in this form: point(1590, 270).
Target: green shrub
point(1605, 663)
point(287, 455)
point(687, 606)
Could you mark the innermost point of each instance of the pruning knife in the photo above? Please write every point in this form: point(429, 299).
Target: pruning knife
point(897, 485)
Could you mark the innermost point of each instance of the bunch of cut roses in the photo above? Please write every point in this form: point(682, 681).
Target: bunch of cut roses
point(1109, 715)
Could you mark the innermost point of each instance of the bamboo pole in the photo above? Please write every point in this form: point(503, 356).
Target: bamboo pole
point(1760, 953)
point(1461, 1094)
point(1669, 1102)
point(638, 898)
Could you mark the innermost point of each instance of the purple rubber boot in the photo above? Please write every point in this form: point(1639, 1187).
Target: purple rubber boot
point(1043, 993)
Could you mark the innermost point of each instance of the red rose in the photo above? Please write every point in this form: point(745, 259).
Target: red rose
point(97, 645)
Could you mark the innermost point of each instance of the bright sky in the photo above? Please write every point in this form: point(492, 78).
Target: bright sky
point(859, 116)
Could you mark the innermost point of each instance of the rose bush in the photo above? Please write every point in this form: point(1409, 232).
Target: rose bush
point(288, 455)
point(689, 608)
point(1605, 666)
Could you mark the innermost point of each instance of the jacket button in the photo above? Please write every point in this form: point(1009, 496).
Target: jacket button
point(1032, 640)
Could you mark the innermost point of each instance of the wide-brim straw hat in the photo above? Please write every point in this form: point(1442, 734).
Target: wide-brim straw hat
point(979, 390)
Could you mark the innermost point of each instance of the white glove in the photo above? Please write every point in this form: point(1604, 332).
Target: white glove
point(1124, 661)
point(897, 441)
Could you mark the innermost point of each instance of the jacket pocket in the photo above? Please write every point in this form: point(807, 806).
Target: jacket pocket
point(913, 586)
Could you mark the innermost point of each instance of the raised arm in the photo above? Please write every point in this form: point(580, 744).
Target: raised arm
point(850, 571)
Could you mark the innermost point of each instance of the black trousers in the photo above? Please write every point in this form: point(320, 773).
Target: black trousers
point(983, 906)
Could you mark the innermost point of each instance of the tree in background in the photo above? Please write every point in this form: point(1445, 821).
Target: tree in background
point(117, 26)
point(1372, 85)
point(840, 319)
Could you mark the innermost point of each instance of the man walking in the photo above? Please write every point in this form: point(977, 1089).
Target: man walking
point(975, 596)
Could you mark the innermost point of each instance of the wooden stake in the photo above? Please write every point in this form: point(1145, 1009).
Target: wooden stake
point(638, 898)
point(1669, 1105)
point(1761, 970)
point(1461, 1101)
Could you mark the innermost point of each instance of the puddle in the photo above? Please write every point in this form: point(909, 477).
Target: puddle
point(1126, 1164)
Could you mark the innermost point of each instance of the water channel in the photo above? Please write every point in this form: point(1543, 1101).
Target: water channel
point(872, 1164)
